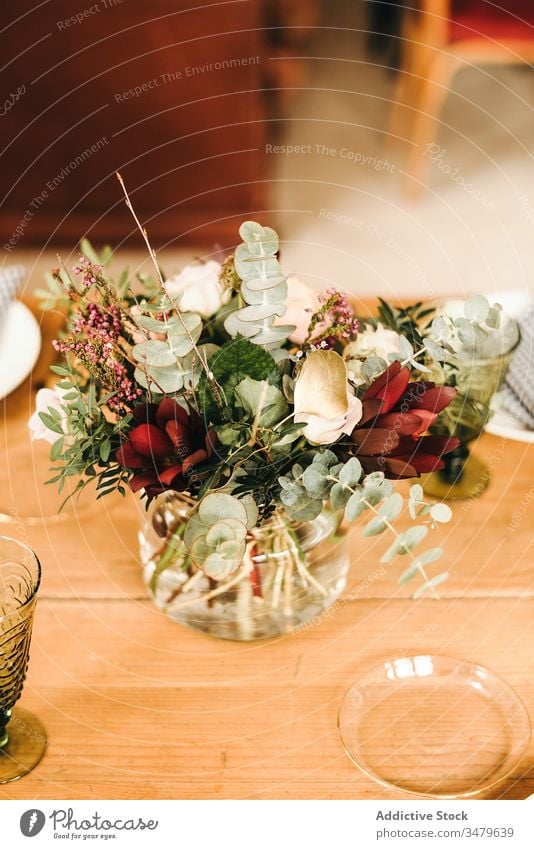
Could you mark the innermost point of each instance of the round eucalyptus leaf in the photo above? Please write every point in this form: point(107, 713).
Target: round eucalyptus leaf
point(154, 353)
point(416, 492)
point(476, 308)
point(219, 505)
point(441, 512)
point(391, 508)
point(351, 472)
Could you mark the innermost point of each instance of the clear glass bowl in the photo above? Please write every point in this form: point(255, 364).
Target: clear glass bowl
point(294, 573)
point(434, 726)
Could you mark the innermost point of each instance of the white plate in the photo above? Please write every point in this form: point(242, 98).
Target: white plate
point(505, 425)
point(20, 344)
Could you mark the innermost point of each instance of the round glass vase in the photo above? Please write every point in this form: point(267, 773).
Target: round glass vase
point(291, 573)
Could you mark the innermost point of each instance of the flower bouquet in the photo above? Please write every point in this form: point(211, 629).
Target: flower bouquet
point(252, 441)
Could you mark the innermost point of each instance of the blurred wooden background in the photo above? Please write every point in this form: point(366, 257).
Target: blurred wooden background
point(177, 96)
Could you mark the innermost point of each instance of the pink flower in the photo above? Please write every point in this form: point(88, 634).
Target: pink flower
point(302, 302)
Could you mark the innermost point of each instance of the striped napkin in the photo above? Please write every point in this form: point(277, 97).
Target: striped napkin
point(517, 393)
point(11, 279)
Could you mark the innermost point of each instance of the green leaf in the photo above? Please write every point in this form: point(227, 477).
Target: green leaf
point(434, 582)
point(51, 422)
point(105, 450)
point(391, 508)
point(250, 393)
point(87, 250)
point(376, 526)
point(476, 308)
point(161, 380)
point(251, 509)
point(351, 472)
point(422, 559)
point(440, 329)
point(154, 353)
point(416, 492)
point(263, 288)
point(57, 448)
point(441, 512)
point(405, 542)
point(315, 481)
point(339, 496)
point(405, 348)
point(178, 335)
point(231, 364)
point(217, 506)
point(436, 351)
point(355, 507)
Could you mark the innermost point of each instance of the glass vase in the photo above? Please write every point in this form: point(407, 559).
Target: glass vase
point(291, 573)
point(465, 475)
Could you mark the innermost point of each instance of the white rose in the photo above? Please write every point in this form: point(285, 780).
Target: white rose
point(370, 342)
point(379, 342)
point(200, 288)
point(44, 400)
point(324, 400)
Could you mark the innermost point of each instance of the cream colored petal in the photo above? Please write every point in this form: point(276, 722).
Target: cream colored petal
point(354, 414)
point(321, 388)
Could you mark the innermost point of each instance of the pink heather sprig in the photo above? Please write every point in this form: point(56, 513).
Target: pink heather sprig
point(90, 271)
point(333, 321)
point(95, 321)
point(98, 356)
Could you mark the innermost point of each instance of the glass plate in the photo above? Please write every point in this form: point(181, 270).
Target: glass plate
point(434, 726)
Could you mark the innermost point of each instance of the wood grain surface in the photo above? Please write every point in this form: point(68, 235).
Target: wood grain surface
point(138, 707)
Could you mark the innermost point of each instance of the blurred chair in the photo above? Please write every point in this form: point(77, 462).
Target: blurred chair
point(440, 37)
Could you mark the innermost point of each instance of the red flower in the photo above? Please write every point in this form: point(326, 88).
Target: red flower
point(396, 413)
point(164, 447)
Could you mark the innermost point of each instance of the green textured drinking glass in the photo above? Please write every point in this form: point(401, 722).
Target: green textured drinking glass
point(22, 735)
point(465, 475)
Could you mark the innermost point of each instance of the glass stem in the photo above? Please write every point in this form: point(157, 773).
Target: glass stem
point(454, 464)
point(5, 716)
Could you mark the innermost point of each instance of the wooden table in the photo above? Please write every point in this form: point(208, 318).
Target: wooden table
point(139, 707)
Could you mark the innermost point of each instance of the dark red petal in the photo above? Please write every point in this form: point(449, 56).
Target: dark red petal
point(414, 391)
point(406, 424)
point(375, 440)
point(150, 441)
point(129, 458)
point(142, 481)
point(180, 437)
point(370, 409)
point(169, 410)
point(438, 445)
point(435, 400)
point(168, 475)
point(145, 413)
point(392, 467)
point(426, 419)
point(196, 457)
point(398, 469)
point(381, 381)
point(389, 386)
point(423, 462)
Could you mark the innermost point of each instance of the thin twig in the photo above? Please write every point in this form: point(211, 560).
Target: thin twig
point(152, 253)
